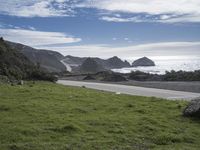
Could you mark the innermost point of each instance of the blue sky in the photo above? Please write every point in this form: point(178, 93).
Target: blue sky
point(104, 28)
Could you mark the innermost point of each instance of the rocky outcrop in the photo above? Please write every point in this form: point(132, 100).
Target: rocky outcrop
point(89, 77)
point(109, 76)
point(111, 63)
point(144, 61)
point(116, 63)
point(193, 109)
point(127, 64)
point(90, 66)
point(114, 78)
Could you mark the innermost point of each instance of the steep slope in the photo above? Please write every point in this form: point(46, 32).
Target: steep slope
point(48, 60)
point(13, 63)
point(74, 61)
point(16, 66)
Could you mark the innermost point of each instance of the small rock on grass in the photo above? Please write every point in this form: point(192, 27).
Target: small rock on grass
point(193, 109)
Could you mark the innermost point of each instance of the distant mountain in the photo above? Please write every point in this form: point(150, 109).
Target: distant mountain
point(111, 63)
point(53, 61)
point(74, 61)
point(91, 66)
point(144, 61)
point(48, 60)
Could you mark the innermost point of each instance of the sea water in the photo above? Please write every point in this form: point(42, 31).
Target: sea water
point(166, 63)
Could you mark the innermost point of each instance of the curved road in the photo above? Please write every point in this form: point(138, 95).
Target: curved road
point(134, 90)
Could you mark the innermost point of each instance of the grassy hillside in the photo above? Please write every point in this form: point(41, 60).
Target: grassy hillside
point(13, 63)
point(16, 66)
point(48, 60)
point(42, 115)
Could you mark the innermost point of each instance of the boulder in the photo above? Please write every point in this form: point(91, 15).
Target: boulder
point(144, 61)
point(110, 76)
point(193, 109)
point(21, 82)
point(88, 77)
point(114, 78)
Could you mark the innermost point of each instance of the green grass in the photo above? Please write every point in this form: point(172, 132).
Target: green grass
point(47, 116)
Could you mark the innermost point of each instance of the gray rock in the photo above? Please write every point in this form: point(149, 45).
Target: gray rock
point(111, 63)
point(193, 109)
point(88, 77)
point(144, 61)
point(21, 82)
point(110, 76)
point(116, 63)
point(91, 66)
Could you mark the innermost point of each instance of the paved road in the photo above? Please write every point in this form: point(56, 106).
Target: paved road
point(134, 90)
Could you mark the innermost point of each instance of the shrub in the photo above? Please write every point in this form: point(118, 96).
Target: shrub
point(182, 76)
point(16, 66)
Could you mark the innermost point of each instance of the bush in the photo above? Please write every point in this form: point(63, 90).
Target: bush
point(182, 76)
point(142, 76)
point(15, 66)
point(4, 79)
point(41, 75)
point(168, 76)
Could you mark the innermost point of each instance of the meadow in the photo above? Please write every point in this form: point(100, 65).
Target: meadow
point(44, 115)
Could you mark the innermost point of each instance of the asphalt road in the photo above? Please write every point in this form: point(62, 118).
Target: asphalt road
point(133, 90)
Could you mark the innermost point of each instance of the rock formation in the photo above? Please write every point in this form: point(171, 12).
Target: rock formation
point(144, 61)
point(193, 109)
point(90, 66)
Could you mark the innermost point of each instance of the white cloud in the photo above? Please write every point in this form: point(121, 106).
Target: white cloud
point(36, 38)
point(60, 1)
point(169, 10)
point(166, 11)
point(164, 17)
point(120, 19)
point(33, 8)
point(151, 49)
point(31, 28)
point(126, 39)
point(147, 6)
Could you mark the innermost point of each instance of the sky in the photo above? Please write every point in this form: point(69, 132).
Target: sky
point(104, 28)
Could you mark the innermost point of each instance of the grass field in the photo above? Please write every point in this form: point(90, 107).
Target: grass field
point(47, 116)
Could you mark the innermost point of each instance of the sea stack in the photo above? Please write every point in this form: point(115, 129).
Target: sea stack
point(116, 63)
point(144, 61)
point(91, 66)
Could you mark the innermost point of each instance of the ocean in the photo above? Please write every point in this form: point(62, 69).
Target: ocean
point(166, 63)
